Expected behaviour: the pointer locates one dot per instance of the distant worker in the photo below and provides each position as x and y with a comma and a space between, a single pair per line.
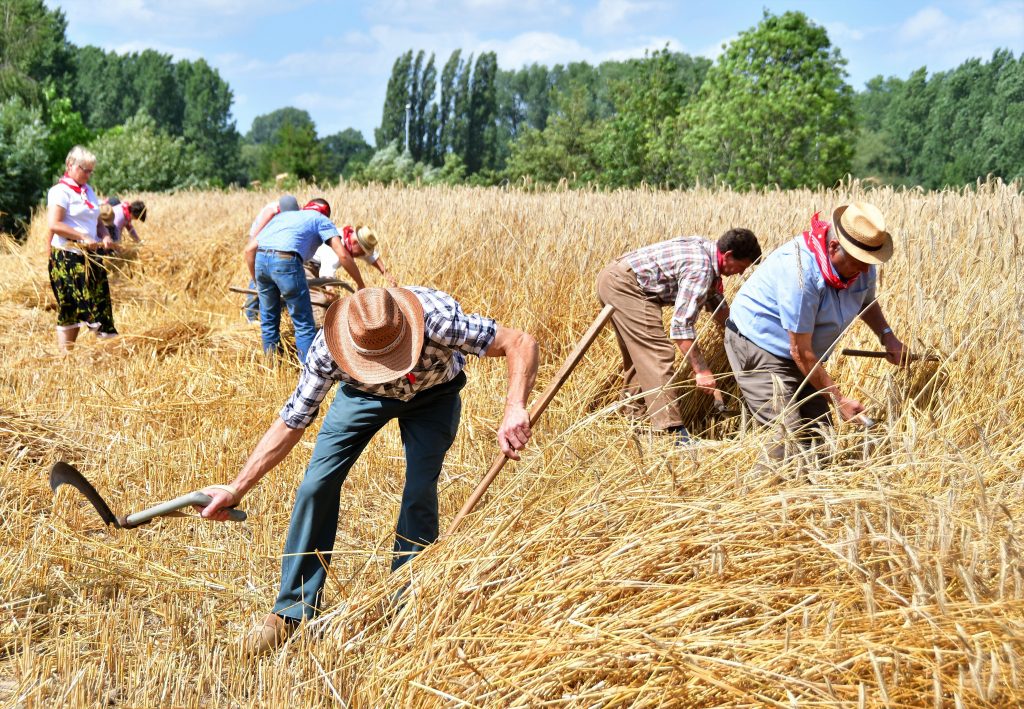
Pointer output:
685, 273
787, 317
399, 354
361, 242
275, 259
77, 276
124, 215
285, 203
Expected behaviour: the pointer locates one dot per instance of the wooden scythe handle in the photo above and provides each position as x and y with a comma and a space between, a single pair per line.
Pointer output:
538, 408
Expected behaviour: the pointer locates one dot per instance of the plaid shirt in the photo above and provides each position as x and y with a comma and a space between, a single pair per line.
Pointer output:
681, 272
448, 337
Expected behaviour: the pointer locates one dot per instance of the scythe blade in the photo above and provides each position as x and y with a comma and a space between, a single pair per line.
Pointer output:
63, 474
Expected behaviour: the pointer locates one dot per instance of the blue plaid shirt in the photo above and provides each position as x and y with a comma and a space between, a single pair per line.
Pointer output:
449, 335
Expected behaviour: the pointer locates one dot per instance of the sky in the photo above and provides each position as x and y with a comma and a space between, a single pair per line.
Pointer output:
333, 59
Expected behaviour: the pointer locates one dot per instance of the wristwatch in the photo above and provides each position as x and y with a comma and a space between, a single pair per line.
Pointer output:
883, 333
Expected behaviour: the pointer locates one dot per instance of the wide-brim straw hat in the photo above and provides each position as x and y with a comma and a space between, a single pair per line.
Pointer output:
376, 335
367, 239
861, 230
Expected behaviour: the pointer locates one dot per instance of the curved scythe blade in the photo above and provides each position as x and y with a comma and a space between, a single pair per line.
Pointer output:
63, 474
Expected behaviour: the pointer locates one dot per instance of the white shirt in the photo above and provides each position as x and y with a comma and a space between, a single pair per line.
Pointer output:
77, 214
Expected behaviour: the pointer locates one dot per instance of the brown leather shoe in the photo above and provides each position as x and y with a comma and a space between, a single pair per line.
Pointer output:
268, 635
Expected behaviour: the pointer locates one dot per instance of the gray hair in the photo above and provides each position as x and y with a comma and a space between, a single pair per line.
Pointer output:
80, 156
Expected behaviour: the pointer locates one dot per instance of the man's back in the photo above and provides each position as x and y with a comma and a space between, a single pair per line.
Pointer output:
301, 232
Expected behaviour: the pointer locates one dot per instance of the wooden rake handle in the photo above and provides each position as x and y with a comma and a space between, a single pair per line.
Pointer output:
538, 408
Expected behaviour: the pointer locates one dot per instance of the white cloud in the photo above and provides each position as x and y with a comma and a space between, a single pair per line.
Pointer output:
839, 33
988, 25
171, 18
925, 24
612, 16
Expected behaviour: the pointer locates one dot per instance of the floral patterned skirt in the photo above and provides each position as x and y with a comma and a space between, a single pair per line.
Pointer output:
79, 284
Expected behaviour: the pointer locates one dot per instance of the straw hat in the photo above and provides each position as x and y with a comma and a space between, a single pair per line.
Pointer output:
107, 214
861, 230
368, 241
376, 335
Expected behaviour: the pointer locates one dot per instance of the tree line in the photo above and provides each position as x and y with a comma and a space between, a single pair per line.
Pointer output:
773, 110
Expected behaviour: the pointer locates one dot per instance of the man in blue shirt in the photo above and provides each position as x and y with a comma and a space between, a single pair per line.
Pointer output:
786, 319
275, 261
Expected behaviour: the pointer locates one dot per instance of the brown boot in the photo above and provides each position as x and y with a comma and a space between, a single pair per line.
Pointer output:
268, 635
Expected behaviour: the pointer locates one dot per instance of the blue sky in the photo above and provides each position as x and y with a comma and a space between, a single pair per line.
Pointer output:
334, 58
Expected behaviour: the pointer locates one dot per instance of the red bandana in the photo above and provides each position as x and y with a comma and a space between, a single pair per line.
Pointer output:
317, 207
126, 210
79, 190
815, 240
347, 232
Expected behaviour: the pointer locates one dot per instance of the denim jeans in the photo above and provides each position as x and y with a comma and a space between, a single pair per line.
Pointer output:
428, 423
281, 277
251, 307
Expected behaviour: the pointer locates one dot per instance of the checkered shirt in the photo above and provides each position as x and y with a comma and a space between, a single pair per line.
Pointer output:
681, 272
449, 335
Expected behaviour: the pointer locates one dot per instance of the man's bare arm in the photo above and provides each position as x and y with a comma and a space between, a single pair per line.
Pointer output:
521, 353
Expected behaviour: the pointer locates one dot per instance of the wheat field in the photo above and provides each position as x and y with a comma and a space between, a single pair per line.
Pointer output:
607, 568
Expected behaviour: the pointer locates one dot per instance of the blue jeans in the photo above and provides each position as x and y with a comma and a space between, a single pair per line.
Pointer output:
428, 424
251, 307
280, 277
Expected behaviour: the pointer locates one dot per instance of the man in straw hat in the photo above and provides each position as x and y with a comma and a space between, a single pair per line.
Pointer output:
685, 273
787, 317
361, 243
399, 354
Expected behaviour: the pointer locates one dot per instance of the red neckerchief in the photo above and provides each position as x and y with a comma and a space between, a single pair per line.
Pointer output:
719, 285
347, 233
126, 210
317, 207
815, 240
77, 189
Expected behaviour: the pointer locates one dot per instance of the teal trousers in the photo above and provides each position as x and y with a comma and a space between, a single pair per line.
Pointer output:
428, 424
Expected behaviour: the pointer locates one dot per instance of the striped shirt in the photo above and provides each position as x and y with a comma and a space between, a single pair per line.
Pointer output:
682, 272
449, 335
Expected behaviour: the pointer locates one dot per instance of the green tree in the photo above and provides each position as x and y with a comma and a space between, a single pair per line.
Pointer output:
102, 91
399, 93
344, 150
907, 123
565, 148
156, 88
423, 123
296, 151
648, 99
24, 163
874, 155
139, 157
446, 106
1003, 129
33, 50
206, 124
458, 125
65, 129
265, 127
262, 137
483, 107
774, 110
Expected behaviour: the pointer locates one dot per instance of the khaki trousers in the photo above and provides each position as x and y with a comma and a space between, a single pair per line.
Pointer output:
774, 390
648, 356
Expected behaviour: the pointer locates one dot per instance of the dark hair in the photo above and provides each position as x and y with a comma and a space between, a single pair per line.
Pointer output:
742, 243
138, 210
